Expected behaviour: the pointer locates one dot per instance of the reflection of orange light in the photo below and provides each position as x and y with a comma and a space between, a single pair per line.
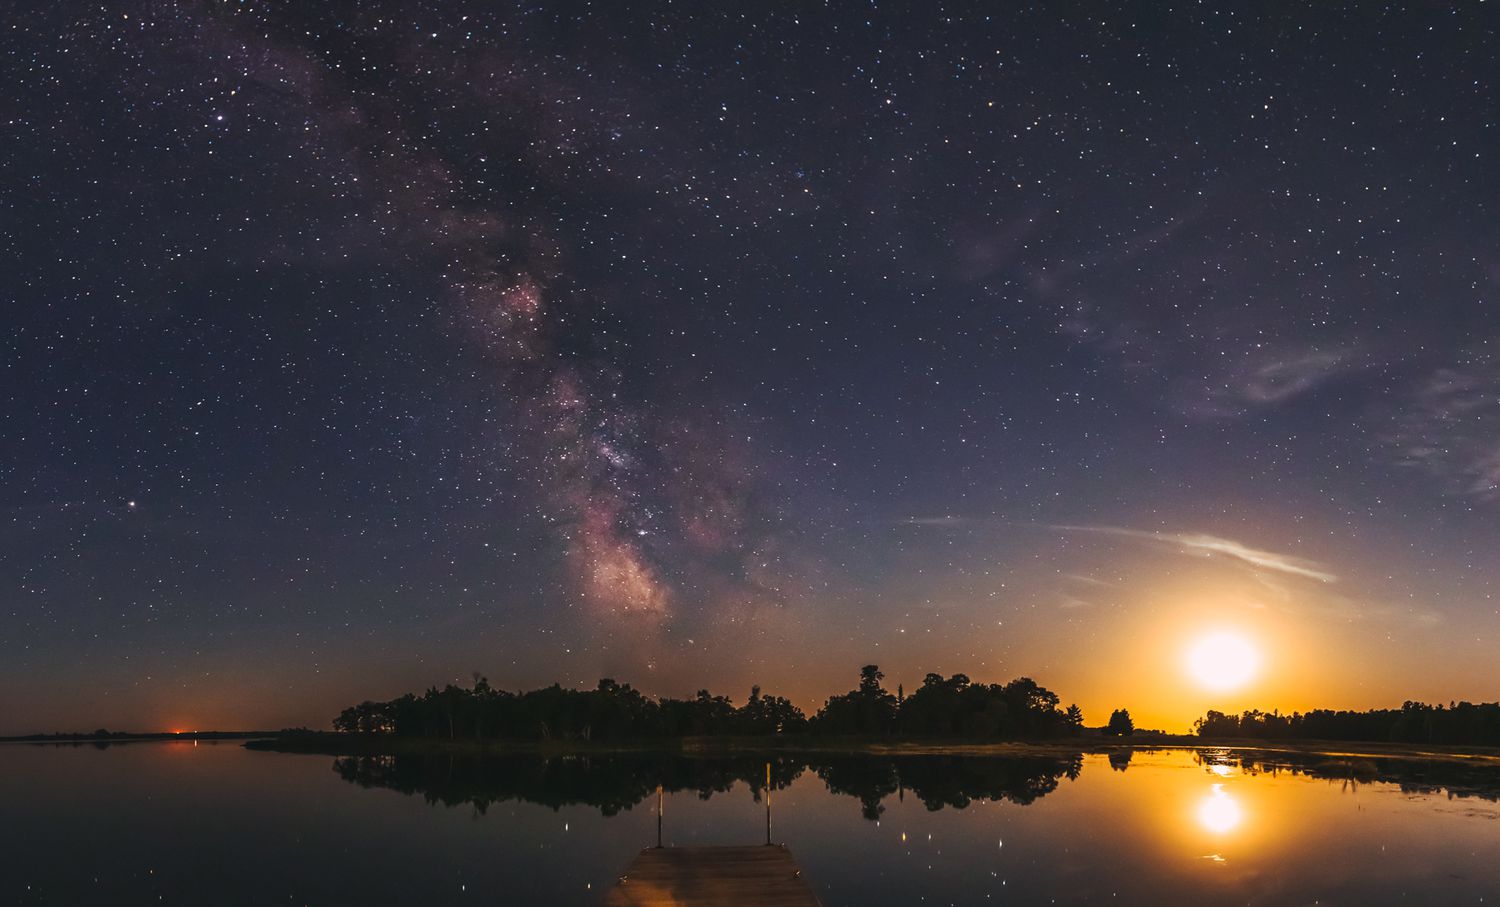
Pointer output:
1219, 812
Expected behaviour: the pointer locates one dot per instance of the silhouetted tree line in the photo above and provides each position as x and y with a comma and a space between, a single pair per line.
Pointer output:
1414, 722
952, 706
619, 782
611, 711
947, 707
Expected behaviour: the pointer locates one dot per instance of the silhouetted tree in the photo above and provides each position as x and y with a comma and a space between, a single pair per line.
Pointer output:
1073, 720
366, 718
764, 715
868, 709
1120, 724
1217, 724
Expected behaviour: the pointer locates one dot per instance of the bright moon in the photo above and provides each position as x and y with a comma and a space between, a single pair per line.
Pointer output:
1222, 661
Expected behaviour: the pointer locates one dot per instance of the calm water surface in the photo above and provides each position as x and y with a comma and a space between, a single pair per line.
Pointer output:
218, 824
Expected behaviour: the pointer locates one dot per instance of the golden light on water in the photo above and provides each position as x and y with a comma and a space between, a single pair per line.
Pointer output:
1220, 812
1222, 661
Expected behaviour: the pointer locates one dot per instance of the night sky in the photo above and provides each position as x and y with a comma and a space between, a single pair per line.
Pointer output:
352, 348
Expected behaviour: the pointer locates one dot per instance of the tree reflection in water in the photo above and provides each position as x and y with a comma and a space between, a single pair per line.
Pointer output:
609, 783
1451, 777
617, 782
940, 781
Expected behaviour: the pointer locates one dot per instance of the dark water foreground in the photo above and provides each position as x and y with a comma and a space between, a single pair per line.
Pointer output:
218, 824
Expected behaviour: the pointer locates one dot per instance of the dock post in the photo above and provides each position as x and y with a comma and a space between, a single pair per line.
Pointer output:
768, 803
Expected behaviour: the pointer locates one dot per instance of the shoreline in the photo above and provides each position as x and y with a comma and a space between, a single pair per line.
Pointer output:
330, 743
145, 737
337, 744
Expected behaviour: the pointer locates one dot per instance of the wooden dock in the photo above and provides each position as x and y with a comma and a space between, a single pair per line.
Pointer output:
762, 874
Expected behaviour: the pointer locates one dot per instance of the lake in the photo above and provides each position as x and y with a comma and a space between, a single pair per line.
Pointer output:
175, 822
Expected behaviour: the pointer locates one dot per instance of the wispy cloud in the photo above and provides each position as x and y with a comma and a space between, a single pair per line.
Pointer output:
1449, 425
1208, 545
1265, 377
1283, 378
1078, 590
1089, 580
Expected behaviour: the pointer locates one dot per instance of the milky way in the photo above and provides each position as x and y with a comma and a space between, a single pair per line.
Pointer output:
363, 346
633, 495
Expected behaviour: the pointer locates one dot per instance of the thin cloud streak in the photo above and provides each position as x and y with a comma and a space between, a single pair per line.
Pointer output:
1201, 544
1089, 580
935, 521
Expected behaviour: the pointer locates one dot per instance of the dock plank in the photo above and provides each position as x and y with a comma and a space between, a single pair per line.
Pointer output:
764, 875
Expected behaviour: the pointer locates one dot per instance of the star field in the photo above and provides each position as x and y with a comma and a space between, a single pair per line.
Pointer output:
351, 348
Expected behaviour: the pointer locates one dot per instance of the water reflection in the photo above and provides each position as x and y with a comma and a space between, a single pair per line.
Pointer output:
609, 784
618, 782
614, 783
166, 822
1449, 777
1219, 812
